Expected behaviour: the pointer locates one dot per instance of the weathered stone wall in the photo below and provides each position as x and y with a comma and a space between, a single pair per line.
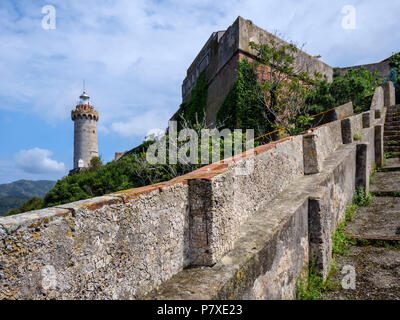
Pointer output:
112, 247
250, 224
303, 61
383, 68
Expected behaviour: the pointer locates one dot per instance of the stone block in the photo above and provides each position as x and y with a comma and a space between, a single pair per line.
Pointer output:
347, 136
389, 94
344, 111
366, 120
362, 173
320, 230
312, 161
377, 100
200, 193
378, 141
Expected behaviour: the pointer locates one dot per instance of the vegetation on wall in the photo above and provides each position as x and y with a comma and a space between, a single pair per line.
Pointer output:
193, 110
242, 107
355, 85
395, 63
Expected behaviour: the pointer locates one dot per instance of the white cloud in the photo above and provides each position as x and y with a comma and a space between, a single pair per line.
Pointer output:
142, 124
38, 161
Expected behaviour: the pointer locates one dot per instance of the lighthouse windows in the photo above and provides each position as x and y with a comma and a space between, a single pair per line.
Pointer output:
80, 163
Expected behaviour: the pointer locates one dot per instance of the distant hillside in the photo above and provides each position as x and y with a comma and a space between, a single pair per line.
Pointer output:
12, 195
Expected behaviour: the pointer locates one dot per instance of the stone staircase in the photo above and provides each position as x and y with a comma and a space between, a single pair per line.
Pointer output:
392, 132
376, 255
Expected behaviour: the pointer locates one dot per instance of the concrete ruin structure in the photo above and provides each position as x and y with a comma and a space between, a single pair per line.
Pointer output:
219, 58
85, 118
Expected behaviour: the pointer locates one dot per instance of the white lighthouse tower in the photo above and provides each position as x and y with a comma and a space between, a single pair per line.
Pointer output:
85, 132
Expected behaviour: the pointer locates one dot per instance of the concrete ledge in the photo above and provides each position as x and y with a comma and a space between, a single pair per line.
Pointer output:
32, 219
266, 241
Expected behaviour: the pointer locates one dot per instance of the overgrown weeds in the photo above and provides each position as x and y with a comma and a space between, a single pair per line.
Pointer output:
313, 287
362, 198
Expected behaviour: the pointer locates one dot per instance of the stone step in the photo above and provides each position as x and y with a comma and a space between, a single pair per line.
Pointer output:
394, 108
392, 112
392, 115
392, 148
392, 164
391, 138
392, 127
389, 120
393, 155
376, 274
392, 144
386, 184
389, 133
394, 122
380, 221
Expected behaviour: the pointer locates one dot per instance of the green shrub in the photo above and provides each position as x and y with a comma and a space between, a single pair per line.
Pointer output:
314, 286
193, 110
242, 107
356, 85
362, 198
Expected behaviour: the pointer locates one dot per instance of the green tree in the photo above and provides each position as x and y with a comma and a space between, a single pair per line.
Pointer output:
354, 86
95, 163
34, 203
283, 92
194, 109
242, 107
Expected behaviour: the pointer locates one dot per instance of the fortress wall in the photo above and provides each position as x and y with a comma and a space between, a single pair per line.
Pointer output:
303, 61
277, 242
85, 141
236, 194
110, 247
219, 58
250, 228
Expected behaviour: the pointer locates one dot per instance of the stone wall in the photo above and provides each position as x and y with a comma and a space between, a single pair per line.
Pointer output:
245, 225
383, 68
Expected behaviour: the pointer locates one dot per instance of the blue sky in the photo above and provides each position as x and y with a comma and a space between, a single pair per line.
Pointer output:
133, 55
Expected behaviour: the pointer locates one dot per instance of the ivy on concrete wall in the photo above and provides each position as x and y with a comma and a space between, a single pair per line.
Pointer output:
242, 107
193, 110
